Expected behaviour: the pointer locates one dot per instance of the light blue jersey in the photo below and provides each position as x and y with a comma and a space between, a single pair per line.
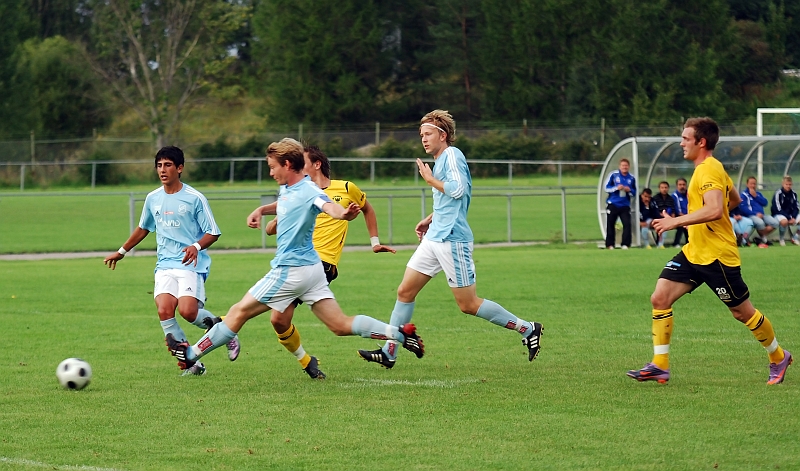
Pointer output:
298, 206
450, 208
179, 220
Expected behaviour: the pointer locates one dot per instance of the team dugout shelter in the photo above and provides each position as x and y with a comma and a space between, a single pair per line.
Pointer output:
656, 159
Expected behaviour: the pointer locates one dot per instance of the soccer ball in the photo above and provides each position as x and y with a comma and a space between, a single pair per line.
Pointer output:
74, 373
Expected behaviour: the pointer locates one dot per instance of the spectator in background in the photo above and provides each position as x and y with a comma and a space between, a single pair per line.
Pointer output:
742, 227
785, 210
620, 187
752, 206
664, 202
648, 212
681, 208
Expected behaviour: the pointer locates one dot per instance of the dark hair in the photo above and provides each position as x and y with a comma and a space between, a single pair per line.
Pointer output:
664, 183
681, 179
625, 160
316, 155
171, 153
751, 178
287, 150
704, 128
647, 191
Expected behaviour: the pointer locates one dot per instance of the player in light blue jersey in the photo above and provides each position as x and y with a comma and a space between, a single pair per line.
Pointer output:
297, 271
446, 243
185, 227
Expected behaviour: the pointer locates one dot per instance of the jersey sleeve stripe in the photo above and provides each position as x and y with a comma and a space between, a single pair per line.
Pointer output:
206, 209
452, 162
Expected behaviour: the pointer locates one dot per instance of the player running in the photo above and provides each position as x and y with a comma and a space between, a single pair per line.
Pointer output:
710, 256
446, 243
329, 238
185, 228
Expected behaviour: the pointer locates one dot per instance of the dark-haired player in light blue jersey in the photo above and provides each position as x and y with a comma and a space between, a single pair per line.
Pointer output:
184, 225
446, 243
297, 271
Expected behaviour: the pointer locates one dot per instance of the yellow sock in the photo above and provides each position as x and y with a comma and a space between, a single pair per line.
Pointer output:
662, 333
291, 341
761, 328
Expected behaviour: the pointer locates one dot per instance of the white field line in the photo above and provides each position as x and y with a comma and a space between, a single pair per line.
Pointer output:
39, 464
428, 383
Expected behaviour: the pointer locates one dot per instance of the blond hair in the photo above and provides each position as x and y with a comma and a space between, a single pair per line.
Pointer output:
787, 179
287, 150
442, 120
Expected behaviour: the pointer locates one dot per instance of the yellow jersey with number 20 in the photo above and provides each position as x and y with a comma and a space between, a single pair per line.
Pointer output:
713, 240
330, 233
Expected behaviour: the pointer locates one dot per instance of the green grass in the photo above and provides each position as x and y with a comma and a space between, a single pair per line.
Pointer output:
74, 221
473, 402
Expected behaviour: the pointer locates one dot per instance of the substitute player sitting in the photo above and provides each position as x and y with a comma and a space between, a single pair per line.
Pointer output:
329, 239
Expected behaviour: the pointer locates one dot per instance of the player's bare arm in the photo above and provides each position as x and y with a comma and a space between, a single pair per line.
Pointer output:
372, 228
734, 199
137, 236
254, 219
713, 209
427, 174
190, 253
422, 227
337, 212
272, 227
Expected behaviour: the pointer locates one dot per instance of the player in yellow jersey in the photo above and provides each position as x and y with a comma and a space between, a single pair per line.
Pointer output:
711, 257
329, 238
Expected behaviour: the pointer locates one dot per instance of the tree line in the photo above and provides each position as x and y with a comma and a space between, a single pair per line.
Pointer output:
68, 66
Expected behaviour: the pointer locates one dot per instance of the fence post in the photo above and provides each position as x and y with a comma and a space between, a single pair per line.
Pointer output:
377, 133
22, 177
422, 210
508, 217
131, 216
602, 133
564, 214
372, 171
416, 174
509, 174
94, 173
524, 127
391, 230
260, 162
33, 149
265, 200
300, 132
559, 173
230, 178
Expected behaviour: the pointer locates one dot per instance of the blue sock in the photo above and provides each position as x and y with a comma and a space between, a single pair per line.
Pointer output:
401, 314
202, 315
170, 326
496, 314
218, 336
370, 328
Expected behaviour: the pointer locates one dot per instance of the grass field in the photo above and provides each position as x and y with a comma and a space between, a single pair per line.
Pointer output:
76, 221
473, 401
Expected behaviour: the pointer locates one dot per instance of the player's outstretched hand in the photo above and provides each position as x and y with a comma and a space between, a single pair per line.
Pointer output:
351, 212
111, 260
424, 170
383, 248
254, 219
666, 223
190, 255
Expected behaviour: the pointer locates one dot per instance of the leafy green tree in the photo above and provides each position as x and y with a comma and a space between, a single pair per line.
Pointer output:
15, 27
158, 54
322, 62
64, 99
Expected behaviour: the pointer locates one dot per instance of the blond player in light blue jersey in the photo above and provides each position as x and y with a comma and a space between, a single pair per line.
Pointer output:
446, 243
296, 271
185, 227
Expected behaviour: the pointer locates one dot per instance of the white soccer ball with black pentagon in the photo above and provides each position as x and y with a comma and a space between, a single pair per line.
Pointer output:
74, 373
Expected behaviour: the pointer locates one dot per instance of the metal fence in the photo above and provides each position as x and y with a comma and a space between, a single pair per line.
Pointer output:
522, 166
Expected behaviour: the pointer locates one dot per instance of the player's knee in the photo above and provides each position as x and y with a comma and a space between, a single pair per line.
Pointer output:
470, 306
659, 300
405, 294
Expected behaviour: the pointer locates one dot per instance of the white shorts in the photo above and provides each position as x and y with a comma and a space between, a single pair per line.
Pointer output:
282, 285
180, 283
455, 258
781, 217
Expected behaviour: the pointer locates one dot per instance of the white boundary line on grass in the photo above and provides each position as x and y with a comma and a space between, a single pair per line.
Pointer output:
428, 383
39, 464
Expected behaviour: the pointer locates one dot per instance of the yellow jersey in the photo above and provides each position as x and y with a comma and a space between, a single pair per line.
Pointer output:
713, 240
330, 233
